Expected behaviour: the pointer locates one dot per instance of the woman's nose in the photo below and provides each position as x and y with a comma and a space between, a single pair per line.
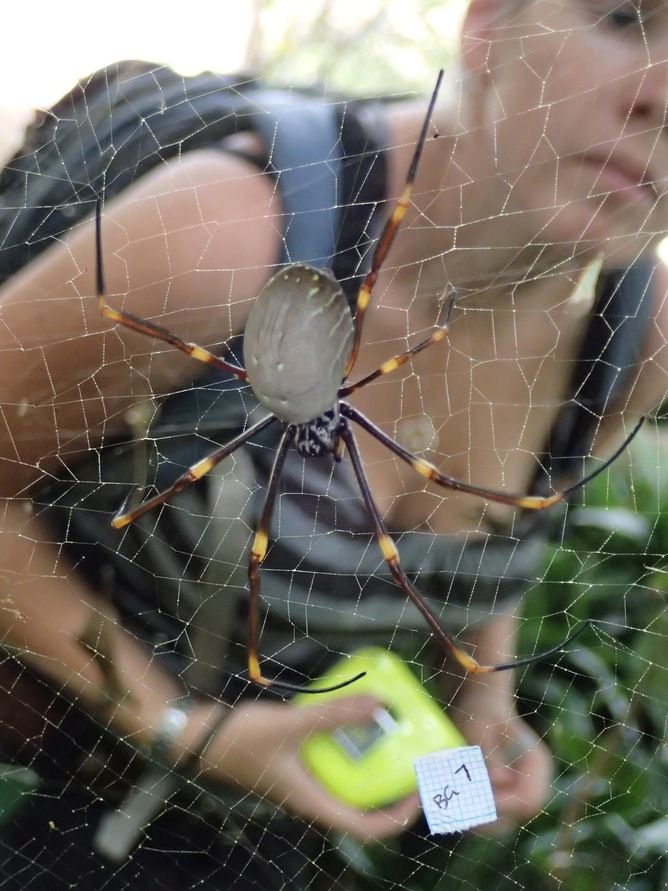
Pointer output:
644, 95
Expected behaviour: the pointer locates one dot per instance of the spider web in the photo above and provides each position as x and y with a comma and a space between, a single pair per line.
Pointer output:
129, 412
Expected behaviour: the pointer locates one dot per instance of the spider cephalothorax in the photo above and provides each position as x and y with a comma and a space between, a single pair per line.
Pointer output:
319, 436
300, 346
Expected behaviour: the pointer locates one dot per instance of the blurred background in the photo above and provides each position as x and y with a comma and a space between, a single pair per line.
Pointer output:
375, 47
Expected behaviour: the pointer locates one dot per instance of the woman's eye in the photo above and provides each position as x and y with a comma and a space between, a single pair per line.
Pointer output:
623, 16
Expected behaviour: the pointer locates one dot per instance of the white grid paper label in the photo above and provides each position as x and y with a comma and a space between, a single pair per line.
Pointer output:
454, 789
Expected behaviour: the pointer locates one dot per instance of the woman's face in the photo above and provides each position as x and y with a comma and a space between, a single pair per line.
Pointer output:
571, 96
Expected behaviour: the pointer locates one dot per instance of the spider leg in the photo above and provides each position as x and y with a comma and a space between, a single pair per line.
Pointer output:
388, 233
575, 486
428, 470
437, 336
391, 555
257, 555
198, 470
143, 326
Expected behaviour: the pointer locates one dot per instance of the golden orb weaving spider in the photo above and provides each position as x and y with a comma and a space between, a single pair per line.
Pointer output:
300, 346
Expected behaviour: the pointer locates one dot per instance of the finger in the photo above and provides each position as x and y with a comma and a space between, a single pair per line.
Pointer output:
524, 795
310, 800
287, 782
500, 827
501, 774
516, 741
386, 822
324, 717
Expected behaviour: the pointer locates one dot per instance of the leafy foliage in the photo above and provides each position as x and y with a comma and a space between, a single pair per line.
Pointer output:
372, 48
601, 708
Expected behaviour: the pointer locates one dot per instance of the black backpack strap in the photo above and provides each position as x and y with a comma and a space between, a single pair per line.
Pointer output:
331, 173
363, 186
608, 355
301, 139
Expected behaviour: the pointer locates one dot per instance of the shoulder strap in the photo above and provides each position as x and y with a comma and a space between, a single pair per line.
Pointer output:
121, 121
610, 349
331, 173
301, 139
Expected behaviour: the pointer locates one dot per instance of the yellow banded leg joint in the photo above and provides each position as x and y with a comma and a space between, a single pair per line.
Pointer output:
259, 548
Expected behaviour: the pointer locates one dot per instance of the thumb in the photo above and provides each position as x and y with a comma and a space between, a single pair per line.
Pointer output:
327, 716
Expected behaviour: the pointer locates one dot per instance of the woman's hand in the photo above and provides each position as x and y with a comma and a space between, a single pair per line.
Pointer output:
257, 749
519, 762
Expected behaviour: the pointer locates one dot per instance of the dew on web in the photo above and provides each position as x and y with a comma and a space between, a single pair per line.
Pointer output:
109, 415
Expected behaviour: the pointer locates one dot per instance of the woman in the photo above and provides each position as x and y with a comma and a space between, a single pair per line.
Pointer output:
551, 153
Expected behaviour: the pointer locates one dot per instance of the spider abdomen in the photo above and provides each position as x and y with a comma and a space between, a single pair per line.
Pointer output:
297, 341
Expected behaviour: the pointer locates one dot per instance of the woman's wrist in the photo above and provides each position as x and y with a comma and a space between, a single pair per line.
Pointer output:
172, 722
185, 732
491, 644
494, 644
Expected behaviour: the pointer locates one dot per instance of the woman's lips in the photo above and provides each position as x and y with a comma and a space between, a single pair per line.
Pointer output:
623, 179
